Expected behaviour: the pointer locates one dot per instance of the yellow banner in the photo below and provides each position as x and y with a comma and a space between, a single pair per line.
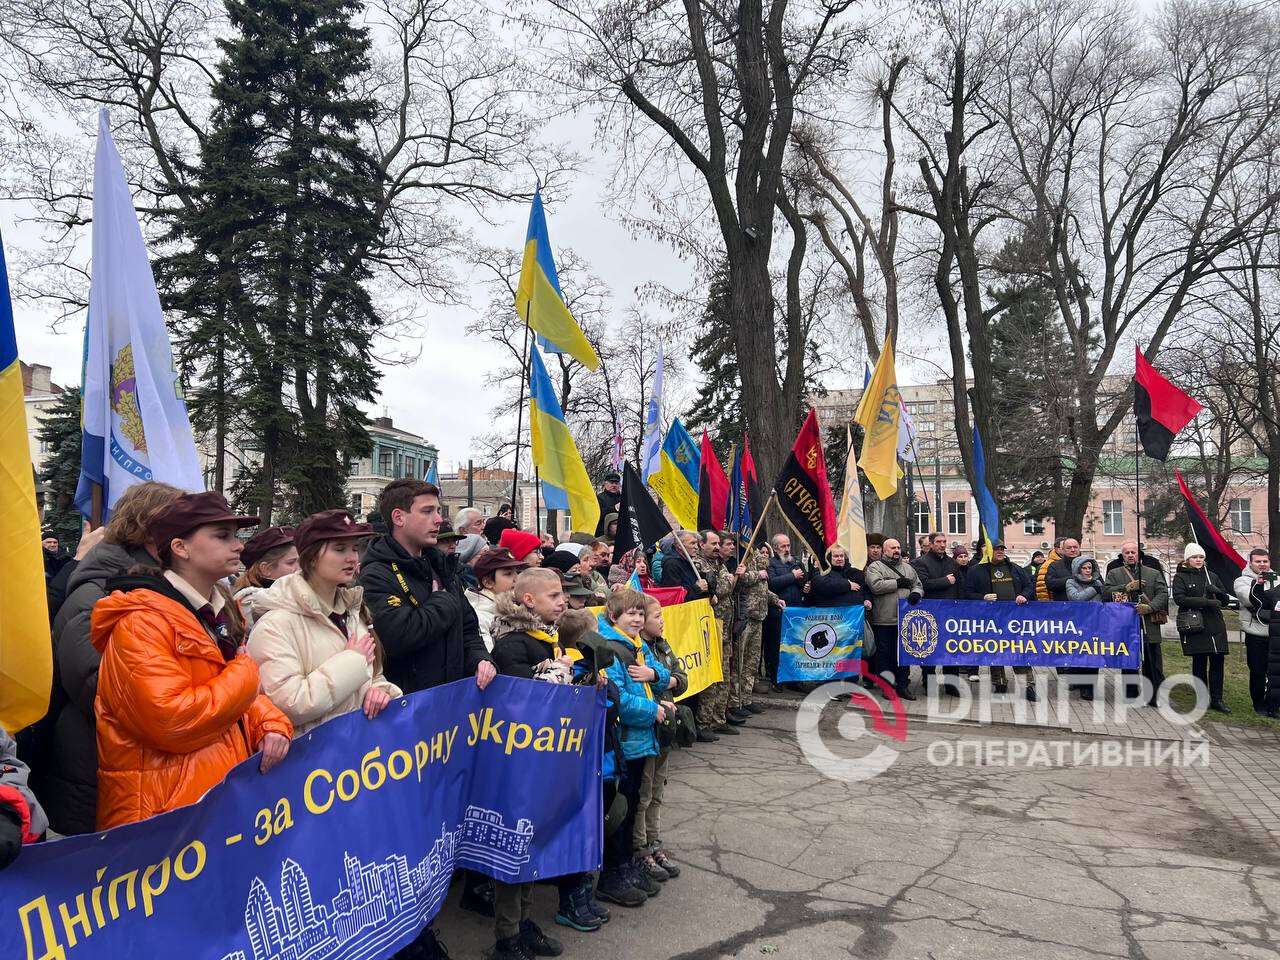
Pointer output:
694, 635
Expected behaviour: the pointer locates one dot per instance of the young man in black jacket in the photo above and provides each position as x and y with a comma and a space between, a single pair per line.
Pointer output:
428, 631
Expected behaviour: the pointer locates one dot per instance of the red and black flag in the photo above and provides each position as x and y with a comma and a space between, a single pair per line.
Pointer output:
1219, 555
1160, 407
713, 488
804, 494
640, 520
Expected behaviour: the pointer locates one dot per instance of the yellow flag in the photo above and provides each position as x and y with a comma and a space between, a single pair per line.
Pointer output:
878, 413
851, 528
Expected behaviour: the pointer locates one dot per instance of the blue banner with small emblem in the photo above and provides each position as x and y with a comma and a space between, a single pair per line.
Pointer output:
1041, 634
820, 643
342, 852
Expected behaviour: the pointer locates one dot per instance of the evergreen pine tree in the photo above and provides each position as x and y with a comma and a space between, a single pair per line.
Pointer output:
272, 276
717, 407
60, 433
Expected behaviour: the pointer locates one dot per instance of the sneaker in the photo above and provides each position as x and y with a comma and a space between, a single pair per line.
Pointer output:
615, 886
575, 910
478, 899
727, 731
512, 948
1032, 696
706, 736
594, 905
661, 859
538, 943
756, 708
653, 871
641, 880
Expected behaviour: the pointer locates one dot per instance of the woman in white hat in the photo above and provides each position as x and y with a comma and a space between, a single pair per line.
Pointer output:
1200, 598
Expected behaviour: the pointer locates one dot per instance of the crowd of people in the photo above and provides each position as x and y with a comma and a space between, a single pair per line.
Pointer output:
182, 649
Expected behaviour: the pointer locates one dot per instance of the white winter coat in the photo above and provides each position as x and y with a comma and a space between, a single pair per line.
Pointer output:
302, 658
484, 604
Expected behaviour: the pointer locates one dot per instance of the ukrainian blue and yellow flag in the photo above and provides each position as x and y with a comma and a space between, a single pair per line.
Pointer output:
676, 480
538, 299
565, 484
988, 514
26, 657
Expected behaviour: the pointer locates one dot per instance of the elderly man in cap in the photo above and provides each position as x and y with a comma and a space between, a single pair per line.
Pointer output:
609, 497
1144, 586
1000, 579
889, 580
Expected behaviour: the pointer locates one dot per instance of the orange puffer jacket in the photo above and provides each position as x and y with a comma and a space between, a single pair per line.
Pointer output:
173, 716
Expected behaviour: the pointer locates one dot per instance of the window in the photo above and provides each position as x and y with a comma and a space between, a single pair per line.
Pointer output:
1150, 509
1113, 518
1241, 515
486, 508
918, 407
920, 519
1033, 527
409, 467
958, 517
386, 463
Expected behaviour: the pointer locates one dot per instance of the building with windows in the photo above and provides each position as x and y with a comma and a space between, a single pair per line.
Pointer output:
39, 396
396, 453
489, 489
944, 501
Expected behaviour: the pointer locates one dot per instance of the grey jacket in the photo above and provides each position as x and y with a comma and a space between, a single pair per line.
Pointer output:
1253, 627
1078, 589
15, 793
1153, 591
881, 579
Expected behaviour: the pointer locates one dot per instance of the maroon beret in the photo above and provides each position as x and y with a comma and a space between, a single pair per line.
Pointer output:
263, 542
329, 525
189, 512
493, 560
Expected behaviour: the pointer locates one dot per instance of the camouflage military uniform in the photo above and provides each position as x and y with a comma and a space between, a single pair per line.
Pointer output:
713, 700
753, 608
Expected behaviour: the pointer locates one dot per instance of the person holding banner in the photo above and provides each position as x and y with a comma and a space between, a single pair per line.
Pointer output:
313, 641
71, 793
1200, 597
1001, 580
841, 585
890, 579
178, 702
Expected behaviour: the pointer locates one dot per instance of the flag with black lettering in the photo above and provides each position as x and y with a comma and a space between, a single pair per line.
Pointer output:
804, 493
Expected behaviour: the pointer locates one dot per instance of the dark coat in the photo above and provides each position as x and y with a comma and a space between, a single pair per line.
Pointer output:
609, 503
835, 588
1264, 603
978, 583
1201, 590
678, 572
71, 781
933, 572
782, 580
1056, 577
429, 636
515, 650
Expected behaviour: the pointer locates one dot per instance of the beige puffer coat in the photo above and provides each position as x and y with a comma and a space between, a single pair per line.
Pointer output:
302, 658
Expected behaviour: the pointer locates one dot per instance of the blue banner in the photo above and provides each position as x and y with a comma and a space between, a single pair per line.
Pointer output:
342, 852
1041, 634
820, 643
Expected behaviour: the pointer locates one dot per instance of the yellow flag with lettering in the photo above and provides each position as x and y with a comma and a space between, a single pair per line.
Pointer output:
694, 635
878, 413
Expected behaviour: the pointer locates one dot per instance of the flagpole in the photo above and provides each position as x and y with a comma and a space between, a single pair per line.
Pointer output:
769, 505
1137, 490
537, 502
524, 375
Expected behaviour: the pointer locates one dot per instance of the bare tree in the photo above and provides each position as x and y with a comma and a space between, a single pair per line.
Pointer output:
1143, 148
710, 90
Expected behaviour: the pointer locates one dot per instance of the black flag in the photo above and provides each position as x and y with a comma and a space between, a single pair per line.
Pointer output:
640, 520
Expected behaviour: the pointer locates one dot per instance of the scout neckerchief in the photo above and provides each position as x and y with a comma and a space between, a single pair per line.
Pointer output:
550, 640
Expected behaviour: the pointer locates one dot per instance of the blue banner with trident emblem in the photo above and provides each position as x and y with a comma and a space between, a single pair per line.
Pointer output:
1041, 634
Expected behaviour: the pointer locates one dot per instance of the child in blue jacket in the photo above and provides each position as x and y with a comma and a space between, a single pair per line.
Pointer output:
641, 680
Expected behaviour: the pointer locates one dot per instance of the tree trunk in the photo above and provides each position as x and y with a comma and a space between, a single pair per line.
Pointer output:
1273, 506
1079, 493
220, 419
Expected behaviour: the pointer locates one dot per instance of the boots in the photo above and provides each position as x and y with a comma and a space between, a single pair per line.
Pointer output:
616, 887
537, 943
575, 910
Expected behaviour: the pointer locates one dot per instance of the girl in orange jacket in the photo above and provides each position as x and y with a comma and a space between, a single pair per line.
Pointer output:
178, 703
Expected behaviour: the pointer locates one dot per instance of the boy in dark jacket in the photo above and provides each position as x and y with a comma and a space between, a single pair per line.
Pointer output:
526, 645
653, 781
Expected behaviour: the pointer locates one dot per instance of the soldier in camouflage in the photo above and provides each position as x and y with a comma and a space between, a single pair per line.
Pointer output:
756, 598
712, 701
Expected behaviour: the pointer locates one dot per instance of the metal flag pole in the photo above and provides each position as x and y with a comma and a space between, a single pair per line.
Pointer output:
524, 375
